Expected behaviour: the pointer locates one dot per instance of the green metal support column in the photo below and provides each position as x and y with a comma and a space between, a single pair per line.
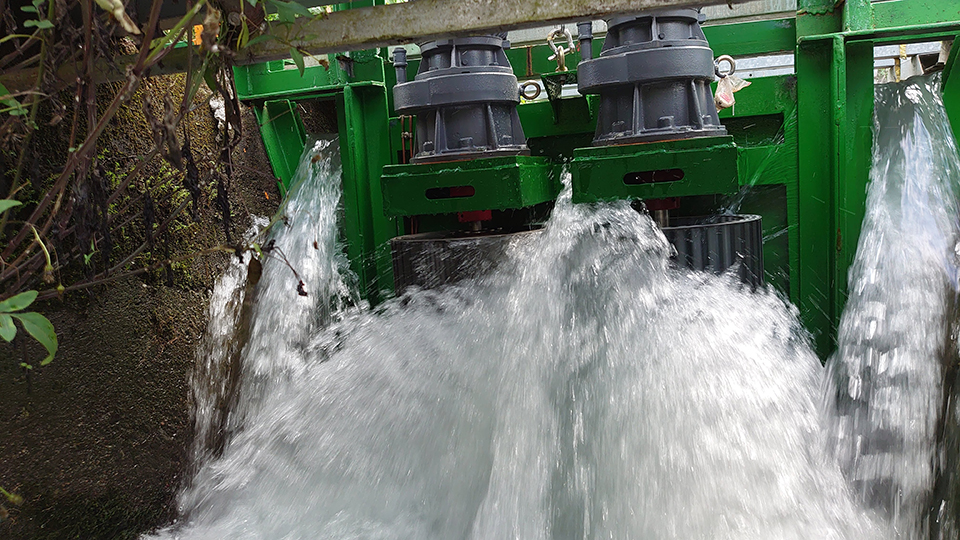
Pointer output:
855, 159
951, 88
364, 149
835, 100
283, 138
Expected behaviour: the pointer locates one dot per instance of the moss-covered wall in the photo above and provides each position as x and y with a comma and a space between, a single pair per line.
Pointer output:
97, 442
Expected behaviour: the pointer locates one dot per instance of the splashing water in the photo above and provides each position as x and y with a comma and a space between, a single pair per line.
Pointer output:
305, 284
213, 384
893, 336
583, 390
775, 162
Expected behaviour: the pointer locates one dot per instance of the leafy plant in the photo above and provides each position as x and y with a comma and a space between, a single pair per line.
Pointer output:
11, 498
40, 22
10, 105
34, 323
281, 29
6, 204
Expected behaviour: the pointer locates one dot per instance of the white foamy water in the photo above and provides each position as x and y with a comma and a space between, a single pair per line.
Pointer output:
585, 390
893, 337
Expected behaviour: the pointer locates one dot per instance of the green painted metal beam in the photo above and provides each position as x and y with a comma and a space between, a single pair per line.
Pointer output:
951, 87
857, 15
835, 100
497, 183
753, 38
364, 150
283, 138
817, 100
819, 17
282, 79
604, 173
915, 13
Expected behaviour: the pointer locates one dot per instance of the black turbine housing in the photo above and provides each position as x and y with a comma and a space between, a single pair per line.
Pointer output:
710, 244
653, 77
716, 243
465, 97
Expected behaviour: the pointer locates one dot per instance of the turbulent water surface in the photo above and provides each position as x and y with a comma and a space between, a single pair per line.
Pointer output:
584, 390
894, 344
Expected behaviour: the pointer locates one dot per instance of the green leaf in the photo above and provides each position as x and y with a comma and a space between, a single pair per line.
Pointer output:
244, 35
28, 9
42, 24
210, 77
286, 14
7, 330
42, 330
297, 59
12, 497
18, 302
260, 39
25, 365
11, 105
6, 204
299, 9
252, 2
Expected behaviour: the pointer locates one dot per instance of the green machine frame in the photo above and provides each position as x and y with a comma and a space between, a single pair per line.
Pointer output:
798, 151
355, 83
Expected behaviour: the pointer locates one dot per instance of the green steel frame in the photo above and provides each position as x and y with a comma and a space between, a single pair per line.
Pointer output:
709, 166
498, 183
835, 68
799, 150
355, 83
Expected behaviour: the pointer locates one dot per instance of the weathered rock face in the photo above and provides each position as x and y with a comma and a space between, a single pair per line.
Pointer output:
97, 442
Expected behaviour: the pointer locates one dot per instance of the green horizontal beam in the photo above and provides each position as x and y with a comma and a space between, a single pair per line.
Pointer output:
709, 166
497, 183
898, 34
914, 13
753, 38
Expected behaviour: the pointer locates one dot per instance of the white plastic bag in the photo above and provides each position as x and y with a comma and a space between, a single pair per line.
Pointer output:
726, 88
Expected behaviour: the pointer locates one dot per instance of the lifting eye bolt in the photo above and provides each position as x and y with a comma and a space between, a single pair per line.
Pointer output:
559, 52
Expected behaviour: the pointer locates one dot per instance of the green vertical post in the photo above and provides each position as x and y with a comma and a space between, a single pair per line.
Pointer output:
951, 88
835, 100
365, 148
815, 123
854, 159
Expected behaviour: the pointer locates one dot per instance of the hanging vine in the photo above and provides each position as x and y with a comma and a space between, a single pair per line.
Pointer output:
66, 226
